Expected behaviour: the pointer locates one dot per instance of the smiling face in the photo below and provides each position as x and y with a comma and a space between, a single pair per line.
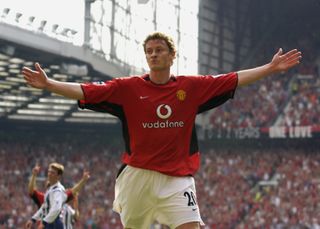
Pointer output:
158, 55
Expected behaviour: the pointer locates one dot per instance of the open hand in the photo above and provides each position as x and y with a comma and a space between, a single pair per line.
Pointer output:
36, 78
282, 62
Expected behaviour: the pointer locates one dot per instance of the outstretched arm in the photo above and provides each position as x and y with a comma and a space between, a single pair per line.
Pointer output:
279, 63
32, 181
38, 79
77, 187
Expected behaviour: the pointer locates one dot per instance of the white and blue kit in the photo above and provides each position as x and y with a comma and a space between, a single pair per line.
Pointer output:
68, 216
49, 212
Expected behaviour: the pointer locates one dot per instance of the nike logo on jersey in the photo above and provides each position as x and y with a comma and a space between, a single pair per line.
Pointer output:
144, 97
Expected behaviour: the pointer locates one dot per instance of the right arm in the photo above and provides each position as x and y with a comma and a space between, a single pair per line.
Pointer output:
32, 182
38, 79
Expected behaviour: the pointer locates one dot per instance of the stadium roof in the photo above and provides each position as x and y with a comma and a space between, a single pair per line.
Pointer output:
18, 101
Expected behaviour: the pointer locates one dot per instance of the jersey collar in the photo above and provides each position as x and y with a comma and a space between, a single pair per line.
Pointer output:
146, 77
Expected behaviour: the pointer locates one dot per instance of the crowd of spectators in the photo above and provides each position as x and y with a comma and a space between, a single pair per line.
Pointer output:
257, 105
294, 201
260, 189
242, 188
303, 108
289, 99
95, 199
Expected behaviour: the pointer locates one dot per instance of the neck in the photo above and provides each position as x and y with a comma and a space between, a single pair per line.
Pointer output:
160, 77
53, 183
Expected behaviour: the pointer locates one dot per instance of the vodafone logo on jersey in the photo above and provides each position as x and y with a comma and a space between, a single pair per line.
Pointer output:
165, 115
163, 112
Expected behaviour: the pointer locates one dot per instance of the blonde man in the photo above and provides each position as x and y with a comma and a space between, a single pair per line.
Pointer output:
54, 199
70, 212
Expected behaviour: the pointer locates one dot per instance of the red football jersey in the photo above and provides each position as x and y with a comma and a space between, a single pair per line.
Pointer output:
38, 197
159, 120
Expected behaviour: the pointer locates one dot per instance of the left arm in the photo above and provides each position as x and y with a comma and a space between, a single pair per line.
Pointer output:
77, 187
76, 208
280, 62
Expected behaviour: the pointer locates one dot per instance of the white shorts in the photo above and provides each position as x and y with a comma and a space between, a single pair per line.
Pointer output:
145, 196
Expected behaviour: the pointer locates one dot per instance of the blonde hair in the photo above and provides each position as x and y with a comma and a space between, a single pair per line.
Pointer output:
58, 167
161, 36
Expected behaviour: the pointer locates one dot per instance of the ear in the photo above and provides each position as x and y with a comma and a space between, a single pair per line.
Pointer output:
173, 55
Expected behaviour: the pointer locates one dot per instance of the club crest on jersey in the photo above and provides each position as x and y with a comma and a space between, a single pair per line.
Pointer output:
181, 95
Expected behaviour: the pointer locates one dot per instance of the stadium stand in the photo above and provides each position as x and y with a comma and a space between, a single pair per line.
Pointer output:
265, 183
236, 188
20, 102
287, 100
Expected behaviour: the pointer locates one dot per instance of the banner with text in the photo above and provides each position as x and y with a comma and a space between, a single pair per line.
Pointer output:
274, 132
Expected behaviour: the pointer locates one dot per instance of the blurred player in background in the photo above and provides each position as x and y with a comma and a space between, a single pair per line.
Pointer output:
158, 112
38, 196
69, 213
55, 197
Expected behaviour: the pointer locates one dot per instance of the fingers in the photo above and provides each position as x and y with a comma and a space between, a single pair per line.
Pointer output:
28, 78
292, 53
38, 67
26, 70
29, 75
293, 63
293, 56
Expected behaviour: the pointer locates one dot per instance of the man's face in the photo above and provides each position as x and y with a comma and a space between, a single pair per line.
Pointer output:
158, 55
53, 176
